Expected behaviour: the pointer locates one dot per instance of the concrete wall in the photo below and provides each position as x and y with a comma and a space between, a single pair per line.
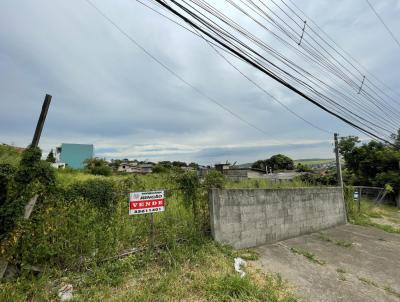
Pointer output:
250, 217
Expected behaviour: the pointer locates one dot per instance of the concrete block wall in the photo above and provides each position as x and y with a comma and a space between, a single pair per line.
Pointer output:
251, 217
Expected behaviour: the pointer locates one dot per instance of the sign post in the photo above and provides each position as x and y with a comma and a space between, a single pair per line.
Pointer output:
147, 203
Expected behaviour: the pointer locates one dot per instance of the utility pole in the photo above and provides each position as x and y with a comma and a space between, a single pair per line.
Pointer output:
40, 123
4, 265
338, 166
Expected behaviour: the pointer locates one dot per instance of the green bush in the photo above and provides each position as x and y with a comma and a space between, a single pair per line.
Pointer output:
7, 172
98, 166
33, 176
66, 235
214, 179
100, 192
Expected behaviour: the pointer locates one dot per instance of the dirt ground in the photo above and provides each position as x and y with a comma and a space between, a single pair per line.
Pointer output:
345, 263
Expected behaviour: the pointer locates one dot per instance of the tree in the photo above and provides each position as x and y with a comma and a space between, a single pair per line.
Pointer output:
259, 164
179, 164
396, 139
98, 166
115, 163
280, 162
50, 157
371, 164
194, 165
275, 162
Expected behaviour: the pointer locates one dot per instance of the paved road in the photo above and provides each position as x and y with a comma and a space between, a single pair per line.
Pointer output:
368, 270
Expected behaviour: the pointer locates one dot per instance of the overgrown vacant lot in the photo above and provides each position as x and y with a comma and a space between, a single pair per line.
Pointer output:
80, 234
81, 226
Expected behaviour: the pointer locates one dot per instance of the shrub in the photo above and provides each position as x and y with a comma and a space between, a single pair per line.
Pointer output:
303, 168
214, 179
7, 172
100, 192
33, 176
189, 184
98, 166
67, 235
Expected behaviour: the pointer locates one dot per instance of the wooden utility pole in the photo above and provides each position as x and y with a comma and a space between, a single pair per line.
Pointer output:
40, 123
338, 166
4, 265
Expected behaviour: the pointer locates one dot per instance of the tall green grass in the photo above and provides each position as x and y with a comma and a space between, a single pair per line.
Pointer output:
9, 155
368, 211
265, 184
74, 238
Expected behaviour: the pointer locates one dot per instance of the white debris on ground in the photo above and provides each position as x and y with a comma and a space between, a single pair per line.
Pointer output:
65, 292
238, 263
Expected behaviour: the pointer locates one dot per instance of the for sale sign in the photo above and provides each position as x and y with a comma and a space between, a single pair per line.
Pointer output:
146, 202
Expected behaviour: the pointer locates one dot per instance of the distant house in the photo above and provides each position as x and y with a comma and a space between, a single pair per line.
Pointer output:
134, 167
243, 173
73, 155
239, 173
146, 168
203, 171
222, 167
129, 167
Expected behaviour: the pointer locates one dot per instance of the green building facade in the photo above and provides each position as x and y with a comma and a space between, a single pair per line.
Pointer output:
74, 155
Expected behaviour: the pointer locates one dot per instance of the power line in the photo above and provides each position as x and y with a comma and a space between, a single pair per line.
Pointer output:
383, 119
213, 46
275, 53
327, 64
344, 52
178, 76
383, 22
215, 34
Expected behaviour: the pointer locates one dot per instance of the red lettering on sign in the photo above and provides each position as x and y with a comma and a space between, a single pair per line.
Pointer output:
145, 205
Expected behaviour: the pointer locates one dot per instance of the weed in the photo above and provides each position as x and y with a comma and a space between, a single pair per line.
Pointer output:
342, 277
369, 210
342, 243
70, 239
368, 281
308, 255
248, 254
391, 291
387, 289
340, 270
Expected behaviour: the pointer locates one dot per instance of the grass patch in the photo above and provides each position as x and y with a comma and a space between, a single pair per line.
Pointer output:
265, 184
10, 155
368, 281
72, 238
187, 272
391, 291
342, 277
365, 221
342, 243
341, 274
370, 210
308, 255
387, 289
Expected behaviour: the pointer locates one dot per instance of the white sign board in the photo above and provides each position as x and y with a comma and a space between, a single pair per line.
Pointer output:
146, 202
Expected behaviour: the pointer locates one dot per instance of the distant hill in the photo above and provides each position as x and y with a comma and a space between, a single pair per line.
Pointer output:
314, 161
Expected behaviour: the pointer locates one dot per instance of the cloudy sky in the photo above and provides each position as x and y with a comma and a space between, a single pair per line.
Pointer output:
107, 92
